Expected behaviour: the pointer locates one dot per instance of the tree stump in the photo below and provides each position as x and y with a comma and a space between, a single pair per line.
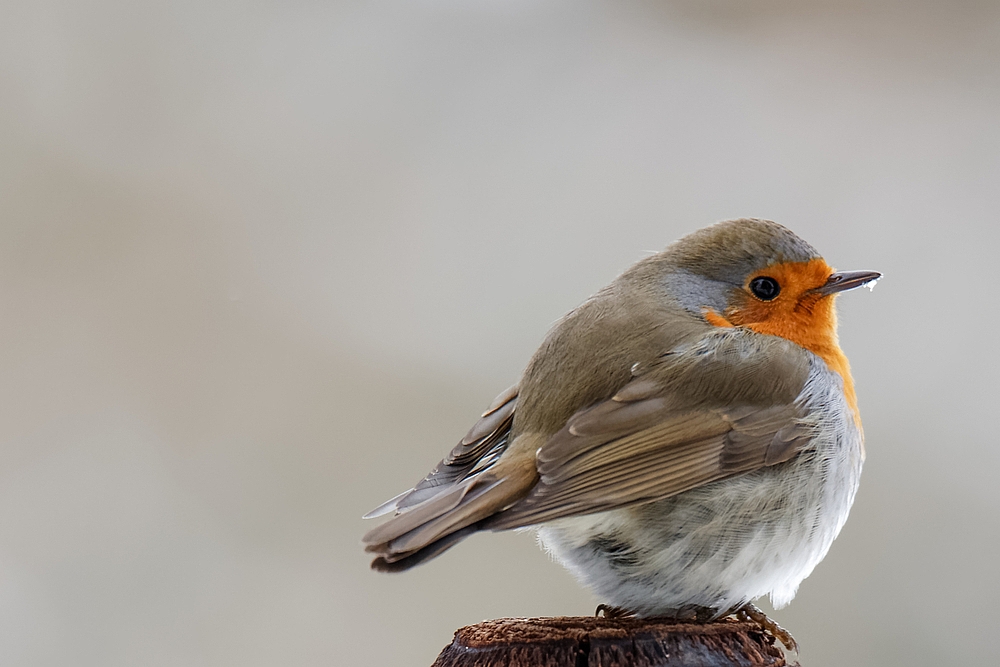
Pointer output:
602, 642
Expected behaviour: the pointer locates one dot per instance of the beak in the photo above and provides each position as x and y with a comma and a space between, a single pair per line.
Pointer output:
847, 280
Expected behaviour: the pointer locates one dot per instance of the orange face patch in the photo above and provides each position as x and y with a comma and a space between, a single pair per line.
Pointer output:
796, 314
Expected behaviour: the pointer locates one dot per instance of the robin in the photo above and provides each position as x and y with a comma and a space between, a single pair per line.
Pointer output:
684, 442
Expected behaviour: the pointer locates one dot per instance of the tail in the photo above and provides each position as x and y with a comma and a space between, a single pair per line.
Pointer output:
484, 474
432, 526
381, 564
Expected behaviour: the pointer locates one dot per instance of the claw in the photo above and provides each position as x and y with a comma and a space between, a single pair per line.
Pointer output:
613, 612
750, 612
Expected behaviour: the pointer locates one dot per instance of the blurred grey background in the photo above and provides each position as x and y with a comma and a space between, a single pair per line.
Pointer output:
264, 263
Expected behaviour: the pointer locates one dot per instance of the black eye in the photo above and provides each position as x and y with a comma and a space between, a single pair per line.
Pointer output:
765, 288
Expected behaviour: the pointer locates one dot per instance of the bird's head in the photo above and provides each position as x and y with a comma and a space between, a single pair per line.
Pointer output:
758, 274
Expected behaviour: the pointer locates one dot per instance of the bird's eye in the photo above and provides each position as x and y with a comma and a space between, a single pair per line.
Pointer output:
765, 288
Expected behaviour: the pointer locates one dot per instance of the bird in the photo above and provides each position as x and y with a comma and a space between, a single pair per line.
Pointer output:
684, 442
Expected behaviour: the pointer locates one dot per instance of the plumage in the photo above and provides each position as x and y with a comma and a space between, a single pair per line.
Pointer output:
677, 442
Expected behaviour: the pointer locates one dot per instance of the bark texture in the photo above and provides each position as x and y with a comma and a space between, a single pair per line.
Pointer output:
600, 642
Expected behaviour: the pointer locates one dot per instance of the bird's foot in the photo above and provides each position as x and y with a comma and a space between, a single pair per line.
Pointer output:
749, 612
613, 612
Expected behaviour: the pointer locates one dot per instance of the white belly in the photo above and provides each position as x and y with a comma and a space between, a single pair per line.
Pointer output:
729, 542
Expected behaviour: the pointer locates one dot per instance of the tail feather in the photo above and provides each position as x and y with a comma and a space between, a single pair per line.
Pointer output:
484, 474
386, 507
477, 503
444, 519
402, 523
432, 550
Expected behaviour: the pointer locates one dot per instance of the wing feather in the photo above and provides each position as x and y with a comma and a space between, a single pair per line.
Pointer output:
652, 441
723, 405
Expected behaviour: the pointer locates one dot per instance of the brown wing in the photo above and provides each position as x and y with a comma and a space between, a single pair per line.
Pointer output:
719, 407
672, 429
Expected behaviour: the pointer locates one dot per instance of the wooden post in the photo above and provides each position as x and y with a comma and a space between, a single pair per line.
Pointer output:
602, 642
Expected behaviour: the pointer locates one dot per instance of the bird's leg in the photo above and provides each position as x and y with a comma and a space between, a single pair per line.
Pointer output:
613, 612
750, 612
